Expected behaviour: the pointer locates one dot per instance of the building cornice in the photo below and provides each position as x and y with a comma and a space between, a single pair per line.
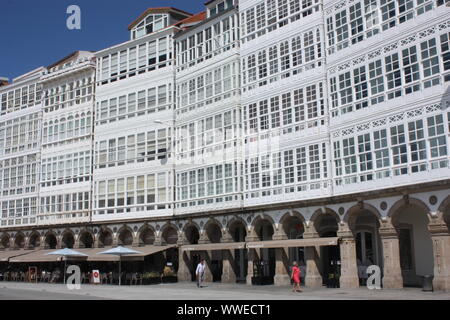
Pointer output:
77, 68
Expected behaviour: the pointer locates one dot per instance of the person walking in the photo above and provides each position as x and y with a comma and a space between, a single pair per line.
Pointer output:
200, 273
295, 276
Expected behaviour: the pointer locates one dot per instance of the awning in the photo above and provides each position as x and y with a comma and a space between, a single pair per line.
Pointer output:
7, 254
41, 256
94, 256
214, 246
146, 251
329, 241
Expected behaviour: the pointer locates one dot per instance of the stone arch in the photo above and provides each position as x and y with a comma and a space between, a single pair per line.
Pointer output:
125, 236
352, 213
19, 241
146, 235
191, 232
50, 240
237, 228
169, 234
5, 241
293, 224
213, 230
263, 216
34, 240
325, 222
105, 237
444, 211
263, 227
67, 239
364, 221
236, 219
86, 239
402, 203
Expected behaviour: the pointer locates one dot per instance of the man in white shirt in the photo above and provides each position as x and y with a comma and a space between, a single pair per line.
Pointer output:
200, 273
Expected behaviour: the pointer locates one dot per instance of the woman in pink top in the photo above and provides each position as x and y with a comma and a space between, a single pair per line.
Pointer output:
295, 276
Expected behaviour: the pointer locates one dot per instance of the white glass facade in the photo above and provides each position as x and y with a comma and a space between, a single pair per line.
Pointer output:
133, 167
20, 154
67, 134
271, 101
208, 135
255, 120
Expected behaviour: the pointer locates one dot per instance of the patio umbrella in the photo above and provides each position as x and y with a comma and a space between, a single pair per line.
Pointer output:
120, 251
66, 253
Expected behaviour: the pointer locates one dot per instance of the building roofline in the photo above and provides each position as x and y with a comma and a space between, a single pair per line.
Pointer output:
192, 20
205, 21
99, 53
26, 75
67, 58
157, 10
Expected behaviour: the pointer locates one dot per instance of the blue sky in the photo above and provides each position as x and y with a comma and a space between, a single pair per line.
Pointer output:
33, 33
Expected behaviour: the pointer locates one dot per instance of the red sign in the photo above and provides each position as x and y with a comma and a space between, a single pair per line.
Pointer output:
95, 276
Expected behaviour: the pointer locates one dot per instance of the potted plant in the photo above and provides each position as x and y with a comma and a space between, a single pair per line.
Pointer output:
151, 278
169, 276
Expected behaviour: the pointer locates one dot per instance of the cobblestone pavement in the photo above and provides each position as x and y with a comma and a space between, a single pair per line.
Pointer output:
212, 291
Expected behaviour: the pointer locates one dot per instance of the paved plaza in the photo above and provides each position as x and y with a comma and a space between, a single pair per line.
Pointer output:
212, 291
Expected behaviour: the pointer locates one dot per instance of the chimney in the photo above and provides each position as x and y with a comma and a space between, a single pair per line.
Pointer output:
4, 81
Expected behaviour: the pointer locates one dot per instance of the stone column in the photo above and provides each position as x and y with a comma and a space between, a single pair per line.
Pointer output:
440, 238
95, 244
282, 277
349, 271
135, 242
184, 273
27, 243
207, 256
158, 239
228, 272
76, 244
58, 242
42, 243
184, 260
208, 272
392, 273
115, 240
313, 278
252, 255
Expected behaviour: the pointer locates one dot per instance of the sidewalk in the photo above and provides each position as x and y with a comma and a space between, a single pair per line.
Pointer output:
218, 291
